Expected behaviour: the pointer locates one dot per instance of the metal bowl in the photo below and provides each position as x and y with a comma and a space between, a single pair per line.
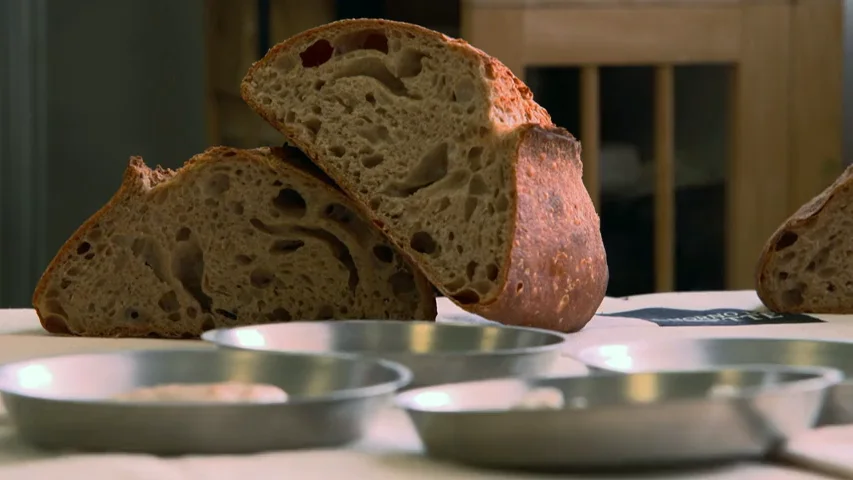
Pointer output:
434, 352
66, 401
693, 353
626, 421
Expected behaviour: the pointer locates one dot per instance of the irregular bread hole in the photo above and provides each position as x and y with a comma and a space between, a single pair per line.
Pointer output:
261, 277
370, 98
361, 40
477, 186
243, 260
217, 185
339, 250
372, 161
313, 125
492, 272
169, 302
374, 133
290, 202
191, 312
402, 283
154, 256
463, 92
55, 308
226, 314
456, 284
482, 286
471, 270
56, 324
810, 267
337, 150
208, 324
83, 248
501, 203
279, 315
474, 155
467, 297
793, 297
64, 284
383, 253
174, 317
470, 207
787, 239
822, 256
431, 168
782, 276
375, 203
283, 247
132, 314
237, 208
423, 242
338, 213
325, 312
319, 84
410, 63
317, 54
188, 268
183, 234
442, 204
89, 256
374, 68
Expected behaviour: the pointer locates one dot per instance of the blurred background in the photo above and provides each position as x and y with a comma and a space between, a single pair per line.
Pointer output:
704, 123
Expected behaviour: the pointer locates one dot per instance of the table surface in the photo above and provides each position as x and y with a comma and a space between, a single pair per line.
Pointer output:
391, 449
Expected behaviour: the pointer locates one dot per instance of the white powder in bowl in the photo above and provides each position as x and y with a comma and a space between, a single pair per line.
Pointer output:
226, 392
541, 398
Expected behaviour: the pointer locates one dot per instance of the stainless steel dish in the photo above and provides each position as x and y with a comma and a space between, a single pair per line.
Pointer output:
693, 353
434, 352
627, 421
66, 401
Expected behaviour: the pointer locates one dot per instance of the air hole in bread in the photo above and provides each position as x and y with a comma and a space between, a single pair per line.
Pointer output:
261, 277
313, 125
787, 239
383, 253
337, 150
423, 242
290, 203
456, 285
501, 203
464, 90
442, 204
283, 247
237, 208
183, 234
217, 184
431, 168
319, 84
794, 297
492, 272
470, 207
467, 297
64, 284
279, 315
188, 268
402, 283
339, 250
374, 68
370, 98
325, 312
226, 314
290, 117
482, 286
474, 155
361, 40
477, 186
830, 287
208, 324
83, 248
372, 161
338, 213
374, 133
169, 302
132, 314
317, 54
811, 266
154, 256
56, 324
192, 312
471, 269
174, 317
410, 63
375, 203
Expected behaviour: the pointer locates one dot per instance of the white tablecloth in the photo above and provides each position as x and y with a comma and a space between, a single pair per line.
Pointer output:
391, 449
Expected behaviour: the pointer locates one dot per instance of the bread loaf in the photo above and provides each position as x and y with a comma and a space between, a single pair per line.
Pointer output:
235, 237
807, 264
450, 156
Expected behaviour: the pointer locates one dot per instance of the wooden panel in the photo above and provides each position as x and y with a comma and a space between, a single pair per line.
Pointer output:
816, 98
664, 178
289, 17
630, 36
499, 33
757, 189
590, 129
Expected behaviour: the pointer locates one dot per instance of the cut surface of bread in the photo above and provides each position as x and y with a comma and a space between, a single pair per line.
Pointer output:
437, 143
807, 264
235, 237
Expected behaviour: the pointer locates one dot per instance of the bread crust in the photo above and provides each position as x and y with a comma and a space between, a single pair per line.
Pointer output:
564, 279
801, 220
139, 179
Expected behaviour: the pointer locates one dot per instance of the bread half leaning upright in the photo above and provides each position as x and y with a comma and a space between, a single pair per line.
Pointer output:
807, 264
234, 237
449, 155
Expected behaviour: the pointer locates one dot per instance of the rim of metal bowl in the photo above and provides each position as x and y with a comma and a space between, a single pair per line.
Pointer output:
823, 378
559, 340
404, 377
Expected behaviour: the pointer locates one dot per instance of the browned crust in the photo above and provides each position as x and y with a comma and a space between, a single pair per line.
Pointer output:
557, 275
801, 220
138, 179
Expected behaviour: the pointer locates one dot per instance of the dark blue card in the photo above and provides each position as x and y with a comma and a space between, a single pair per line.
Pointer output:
670, 317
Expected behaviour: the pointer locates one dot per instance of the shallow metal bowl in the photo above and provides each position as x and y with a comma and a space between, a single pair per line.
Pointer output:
66, 401
635, 420
434, 352
692, 353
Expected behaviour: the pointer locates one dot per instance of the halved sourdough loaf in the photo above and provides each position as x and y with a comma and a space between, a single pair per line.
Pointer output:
235, 237
450, 156
807, 264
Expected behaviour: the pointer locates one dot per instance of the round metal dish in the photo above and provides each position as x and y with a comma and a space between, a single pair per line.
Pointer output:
628, 421
66, 401
693, 353
434, 352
